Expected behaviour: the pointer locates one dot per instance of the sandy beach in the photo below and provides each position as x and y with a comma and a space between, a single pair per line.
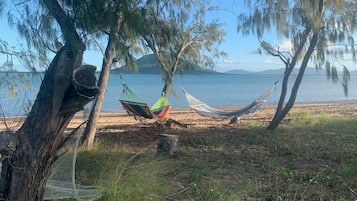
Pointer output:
120, 121
118, 127
248, 155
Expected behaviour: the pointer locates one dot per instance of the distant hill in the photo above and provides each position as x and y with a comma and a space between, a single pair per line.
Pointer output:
308, 71
238, 71
148, 64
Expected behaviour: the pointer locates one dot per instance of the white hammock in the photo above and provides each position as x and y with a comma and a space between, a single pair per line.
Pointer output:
205, 110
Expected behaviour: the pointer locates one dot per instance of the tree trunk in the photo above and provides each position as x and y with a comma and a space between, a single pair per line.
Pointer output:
284, 89
168, 144
279, 116
89, 133
65, 89
26, 169
165, 89
289, 67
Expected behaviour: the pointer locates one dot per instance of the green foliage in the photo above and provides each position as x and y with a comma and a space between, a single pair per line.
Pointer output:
16, 84
124, 175
350, 172
118, 20
317, 31
177, 33
201, 140
254, 124
177, 28
333, 21
38, 31
92, 19
302, 118
309, 159
14, 55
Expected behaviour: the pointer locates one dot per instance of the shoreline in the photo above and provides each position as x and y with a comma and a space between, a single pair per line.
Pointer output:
120, 121
264, 107
120, 118
228, 107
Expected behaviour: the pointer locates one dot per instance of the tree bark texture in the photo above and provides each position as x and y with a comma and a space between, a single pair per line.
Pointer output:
285, 110
26, 169
65, 89
168, 144
89, 133
289, 66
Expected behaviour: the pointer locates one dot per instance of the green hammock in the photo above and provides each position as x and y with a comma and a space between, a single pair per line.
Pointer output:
161, 108
136, 107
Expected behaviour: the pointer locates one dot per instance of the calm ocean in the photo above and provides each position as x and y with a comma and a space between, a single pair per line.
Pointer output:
214, 89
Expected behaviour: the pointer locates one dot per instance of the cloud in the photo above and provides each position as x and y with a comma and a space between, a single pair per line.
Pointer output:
255, 52
285, 45
268, 61
230, 61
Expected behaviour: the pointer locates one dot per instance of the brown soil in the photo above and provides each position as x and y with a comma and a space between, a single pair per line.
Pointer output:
118, 127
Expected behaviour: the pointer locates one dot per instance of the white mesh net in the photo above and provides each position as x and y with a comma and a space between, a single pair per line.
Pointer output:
62, 184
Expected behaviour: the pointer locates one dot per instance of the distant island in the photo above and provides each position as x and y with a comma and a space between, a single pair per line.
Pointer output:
148, 64
308, 71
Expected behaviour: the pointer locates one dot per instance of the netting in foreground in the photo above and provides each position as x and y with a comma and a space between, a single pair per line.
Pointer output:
62, 184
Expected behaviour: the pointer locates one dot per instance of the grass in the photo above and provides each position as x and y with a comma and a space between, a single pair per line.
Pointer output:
309, 157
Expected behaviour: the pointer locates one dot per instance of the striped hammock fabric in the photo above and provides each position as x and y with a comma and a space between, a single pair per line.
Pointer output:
161, 108
205, 110
136, 107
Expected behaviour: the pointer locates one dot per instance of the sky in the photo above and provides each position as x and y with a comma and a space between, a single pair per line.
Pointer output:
241, 50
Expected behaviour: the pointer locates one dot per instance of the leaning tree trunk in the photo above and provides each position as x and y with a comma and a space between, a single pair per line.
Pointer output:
169, 75
280, 115
89, 133
34, 146
284, 89
65, 89
167, 85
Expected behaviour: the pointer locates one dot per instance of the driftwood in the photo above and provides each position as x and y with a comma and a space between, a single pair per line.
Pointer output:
168, 144
170, 121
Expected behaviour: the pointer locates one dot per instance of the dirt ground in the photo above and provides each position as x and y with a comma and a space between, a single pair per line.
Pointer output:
247, 160
119, 127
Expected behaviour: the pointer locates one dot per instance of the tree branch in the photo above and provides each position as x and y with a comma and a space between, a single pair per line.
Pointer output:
69, 32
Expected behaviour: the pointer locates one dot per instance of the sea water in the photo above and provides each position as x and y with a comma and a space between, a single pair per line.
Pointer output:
216, 90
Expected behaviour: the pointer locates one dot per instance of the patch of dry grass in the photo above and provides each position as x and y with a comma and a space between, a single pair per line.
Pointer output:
311, 156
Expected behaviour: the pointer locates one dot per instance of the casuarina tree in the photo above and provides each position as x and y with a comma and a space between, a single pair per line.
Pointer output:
67, 86
321, 33
116, 23
179, 36
145, 27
